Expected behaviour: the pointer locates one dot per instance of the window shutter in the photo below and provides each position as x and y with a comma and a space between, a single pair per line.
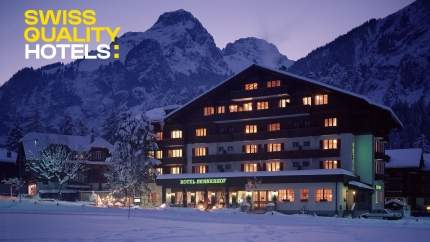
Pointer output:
207, 150
243, 148
194, 153
282, 147
259, 167
264, 167
339, 164
259, 148
338, 143
207, 168
321, 144
265, 148
281, 166
194, 169
167, 170
242, 168
321, 164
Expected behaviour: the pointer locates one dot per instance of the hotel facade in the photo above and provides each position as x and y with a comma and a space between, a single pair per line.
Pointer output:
270, 137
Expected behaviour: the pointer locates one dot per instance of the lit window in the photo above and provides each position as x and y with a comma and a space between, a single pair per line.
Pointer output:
304, 194
233, 108
251, 86
175, 153
207, 111
284, 102
220, 109
251, 129
330, 164
250, 149
175, 170
247, 107
159, 154
159, 171
262, 105
176, 134
307, 101
201, 132
159, 136
273, 166
274, 127
329, 144
151, 154
274, 83
330, 122
250, 167
379, 167
323, 195
286, 195
200, 169
274, 147
200, 151
321, 99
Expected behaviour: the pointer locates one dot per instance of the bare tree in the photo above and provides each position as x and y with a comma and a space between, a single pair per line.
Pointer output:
131, 165
54, 164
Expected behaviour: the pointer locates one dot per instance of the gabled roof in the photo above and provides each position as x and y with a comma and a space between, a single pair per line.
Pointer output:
34, 142
305, 79
404, 158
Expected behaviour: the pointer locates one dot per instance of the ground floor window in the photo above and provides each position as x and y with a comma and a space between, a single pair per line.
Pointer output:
323, 195
304, 195
286, 195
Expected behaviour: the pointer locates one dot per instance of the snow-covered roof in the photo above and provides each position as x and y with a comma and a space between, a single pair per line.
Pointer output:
34, 142
7, 156
158, 114
426, 157
404, 158
310, 172
366, 99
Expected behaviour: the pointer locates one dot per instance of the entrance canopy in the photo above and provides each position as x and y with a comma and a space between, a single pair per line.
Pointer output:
242, 178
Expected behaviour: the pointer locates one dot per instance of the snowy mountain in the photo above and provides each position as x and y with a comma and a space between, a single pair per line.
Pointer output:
173, 61
387, 60
246, 51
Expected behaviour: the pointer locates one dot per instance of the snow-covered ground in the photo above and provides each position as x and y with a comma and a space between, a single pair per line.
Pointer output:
45, 221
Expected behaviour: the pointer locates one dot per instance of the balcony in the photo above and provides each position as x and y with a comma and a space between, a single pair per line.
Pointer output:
173, 160
290, 154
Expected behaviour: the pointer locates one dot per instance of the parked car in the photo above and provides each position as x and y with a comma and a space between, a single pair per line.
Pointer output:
382, 214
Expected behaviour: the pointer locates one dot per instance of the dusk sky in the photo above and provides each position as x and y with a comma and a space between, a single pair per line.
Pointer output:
296, 27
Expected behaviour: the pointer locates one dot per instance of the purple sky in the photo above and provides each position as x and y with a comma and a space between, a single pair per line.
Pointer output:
296, 27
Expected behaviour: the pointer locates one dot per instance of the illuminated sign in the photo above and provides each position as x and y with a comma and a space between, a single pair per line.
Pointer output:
378, 187
202, 181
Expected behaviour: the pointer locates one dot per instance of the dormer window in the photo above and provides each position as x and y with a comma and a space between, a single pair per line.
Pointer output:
274, 83
251, 86
208, 111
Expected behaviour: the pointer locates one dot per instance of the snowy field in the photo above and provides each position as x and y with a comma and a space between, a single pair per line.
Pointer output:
73, 222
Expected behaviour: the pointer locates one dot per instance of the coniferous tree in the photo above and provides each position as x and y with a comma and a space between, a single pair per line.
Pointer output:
34, 123
14, 135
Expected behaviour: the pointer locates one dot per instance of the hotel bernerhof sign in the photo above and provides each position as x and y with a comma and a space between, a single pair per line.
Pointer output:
202, 181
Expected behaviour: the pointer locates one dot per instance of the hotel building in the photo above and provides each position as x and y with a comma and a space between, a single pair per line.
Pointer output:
268, 136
